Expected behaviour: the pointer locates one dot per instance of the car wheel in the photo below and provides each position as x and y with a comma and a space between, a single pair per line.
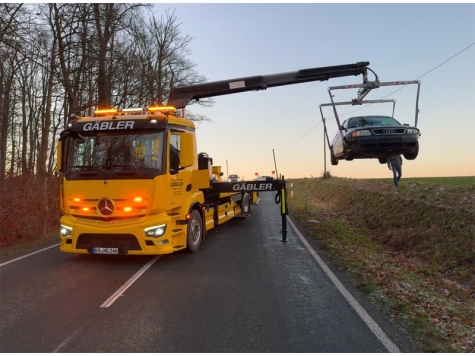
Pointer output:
333, 160
383, 160
195, 232
348, 156
413, 154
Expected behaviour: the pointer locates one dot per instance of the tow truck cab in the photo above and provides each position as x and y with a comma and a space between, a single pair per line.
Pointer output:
130, 179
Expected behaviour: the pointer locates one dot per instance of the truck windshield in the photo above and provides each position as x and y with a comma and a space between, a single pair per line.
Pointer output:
141, 151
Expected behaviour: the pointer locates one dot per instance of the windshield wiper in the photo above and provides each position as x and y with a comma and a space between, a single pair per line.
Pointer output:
126, 166
92, 170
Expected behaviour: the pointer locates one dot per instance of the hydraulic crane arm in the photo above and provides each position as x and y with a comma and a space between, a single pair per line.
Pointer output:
181, 96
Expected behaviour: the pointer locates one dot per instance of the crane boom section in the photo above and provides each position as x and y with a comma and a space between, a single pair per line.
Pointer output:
181, 96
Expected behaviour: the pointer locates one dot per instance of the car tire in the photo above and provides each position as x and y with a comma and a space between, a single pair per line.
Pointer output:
348, 156
383, 160
194, 233
413, 154
333, 160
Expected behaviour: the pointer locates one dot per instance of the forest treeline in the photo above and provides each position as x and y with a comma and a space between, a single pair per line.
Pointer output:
59, 60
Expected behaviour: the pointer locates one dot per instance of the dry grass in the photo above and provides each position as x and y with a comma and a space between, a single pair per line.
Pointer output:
411, 248
21, 210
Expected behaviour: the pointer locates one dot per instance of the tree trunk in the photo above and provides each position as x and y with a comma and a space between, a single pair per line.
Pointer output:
42, 172
5, 93
104, 37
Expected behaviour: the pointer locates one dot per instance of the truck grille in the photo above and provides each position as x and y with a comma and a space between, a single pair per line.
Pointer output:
124, 242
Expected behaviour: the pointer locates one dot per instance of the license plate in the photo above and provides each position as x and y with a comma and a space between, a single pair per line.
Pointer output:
106, 250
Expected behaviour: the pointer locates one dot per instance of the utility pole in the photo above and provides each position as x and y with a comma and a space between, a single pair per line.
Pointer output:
275, 164
324, 151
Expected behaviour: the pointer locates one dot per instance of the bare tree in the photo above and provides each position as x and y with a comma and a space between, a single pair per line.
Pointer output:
110, 19
62, 58
11, 31
42, 159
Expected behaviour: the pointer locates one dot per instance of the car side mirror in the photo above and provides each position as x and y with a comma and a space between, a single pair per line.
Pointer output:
342, 128
405, 124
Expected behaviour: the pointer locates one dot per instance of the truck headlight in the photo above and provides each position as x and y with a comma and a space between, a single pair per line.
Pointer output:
156, 231
65, 230
361, 133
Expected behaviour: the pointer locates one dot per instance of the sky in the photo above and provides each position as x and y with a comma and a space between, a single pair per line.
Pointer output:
401, 42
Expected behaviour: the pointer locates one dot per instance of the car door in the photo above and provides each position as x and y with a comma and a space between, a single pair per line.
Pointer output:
337, 143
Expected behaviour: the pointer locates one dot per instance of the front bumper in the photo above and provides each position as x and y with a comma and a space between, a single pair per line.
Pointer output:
126, 235
375, 147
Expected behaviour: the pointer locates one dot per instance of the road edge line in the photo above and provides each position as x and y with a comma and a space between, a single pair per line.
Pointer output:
369, 321
56, 350
33, 253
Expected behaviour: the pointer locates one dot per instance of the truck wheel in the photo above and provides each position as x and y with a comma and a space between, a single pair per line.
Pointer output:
195, 232
383, 160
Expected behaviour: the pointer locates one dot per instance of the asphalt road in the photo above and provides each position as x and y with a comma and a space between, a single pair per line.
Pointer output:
243, 291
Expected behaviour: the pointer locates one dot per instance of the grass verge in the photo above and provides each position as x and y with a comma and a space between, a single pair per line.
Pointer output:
410, 250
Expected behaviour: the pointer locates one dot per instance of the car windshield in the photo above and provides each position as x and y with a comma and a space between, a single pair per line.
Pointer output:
372, 121
139, 151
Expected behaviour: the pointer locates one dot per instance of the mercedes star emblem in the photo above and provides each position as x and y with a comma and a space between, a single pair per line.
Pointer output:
105, 207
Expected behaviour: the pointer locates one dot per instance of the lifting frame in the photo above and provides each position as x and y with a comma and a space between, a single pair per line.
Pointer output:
364, 90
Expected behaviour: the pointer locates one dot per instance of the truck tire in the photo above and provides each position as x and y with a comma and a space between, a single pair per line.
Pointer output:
194, 234
383, 160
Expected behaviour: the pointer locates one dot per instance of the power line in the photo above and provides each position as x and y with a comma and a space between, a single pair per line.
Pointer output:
455, 55
290, 144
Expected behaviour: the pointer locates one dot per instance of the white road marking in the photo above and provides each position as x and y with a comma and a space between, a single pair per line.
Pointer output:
127, 284
33, 253
374, 327
68, 339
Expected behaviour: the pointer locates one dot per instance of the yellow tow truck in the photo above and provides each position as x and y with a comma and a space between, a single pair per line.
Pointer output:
133, 181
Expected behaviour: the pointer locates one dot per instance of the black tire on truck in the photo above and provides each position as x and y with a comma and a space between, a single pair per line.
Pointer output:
194, 234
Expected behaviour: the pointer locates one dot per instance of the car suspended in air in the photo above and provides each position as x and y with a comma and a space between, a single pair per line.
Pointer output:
372, 136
